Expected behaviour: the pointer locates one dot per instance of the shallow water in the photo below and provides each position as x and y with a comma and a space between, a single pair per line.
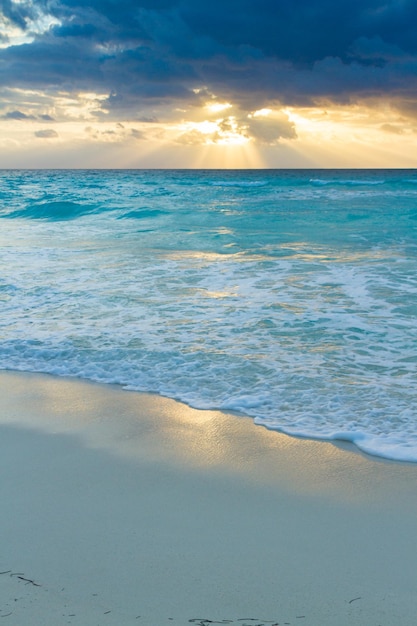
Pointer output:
290, 296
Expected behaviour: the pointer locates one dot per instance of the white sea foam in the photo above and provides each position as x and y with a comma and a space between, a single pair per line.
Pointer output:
345, 181
238, 183
308, 325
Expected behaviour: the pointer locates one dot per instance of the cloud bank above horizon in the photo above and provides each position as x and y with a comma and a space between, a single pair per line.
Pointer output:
238, 83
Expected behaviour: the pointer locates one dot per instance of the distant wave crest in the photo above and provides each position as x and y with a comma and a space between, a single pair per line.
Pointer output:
54, 211
348, 183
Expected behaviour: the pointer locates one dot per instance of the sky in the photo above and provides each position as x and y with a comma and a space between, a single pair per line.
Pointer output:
213, 84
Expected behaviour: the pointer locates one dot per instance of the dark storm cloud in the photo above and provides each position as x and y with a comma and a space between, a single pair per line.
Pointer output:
18, 13
305, 31
251, 51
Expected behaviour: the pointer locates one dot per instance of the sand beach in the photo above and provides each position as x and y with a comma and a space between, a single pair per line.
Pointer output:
128, 508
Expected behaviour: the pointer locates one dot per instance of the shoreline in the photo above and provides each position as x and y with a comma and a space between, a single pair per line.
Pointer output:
129, 508
344, 442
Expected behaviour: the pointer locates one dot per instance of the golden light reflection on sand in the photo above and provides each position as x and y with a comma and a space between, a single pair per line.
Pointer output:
151, 429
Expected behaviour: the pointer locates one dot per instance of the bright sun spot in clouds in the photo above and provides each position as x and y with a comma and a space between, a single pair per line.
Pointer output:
229, 133
222, 132
216, 107
217, 134
262, 113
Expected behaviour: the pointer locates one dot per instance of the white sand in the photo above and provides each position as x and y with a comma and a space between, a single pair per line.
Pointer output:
127, 508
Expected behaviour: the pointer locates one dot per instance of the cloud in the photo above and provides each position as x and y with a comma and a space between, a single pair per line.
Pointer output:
137, 134
265, 126
47, 133
150, 55
21, 116
18, 115
118, 133
392, 128
270, 130
18, 13
192, 137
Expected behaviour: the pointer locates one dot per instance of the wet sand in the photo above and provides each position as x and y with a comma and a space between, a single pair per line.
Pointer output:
127, 508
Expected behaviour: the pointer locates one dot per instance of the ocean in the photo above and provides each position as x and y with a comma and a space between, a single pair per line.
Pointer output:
288, 296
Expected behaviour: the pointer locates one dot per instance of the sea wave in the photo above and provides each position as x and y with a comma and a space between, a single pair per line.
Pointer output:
345, 182
55, 210
238, 183
296, 309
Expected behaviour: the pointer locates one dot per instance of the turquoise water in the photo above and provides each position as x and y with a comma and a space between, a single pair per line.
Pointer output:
289, 296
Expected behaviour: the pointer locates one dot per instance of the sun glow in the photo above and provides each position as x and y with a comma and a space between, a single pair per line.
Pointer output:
222, 132
262, 113
41, 129
216, 107
361, 135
